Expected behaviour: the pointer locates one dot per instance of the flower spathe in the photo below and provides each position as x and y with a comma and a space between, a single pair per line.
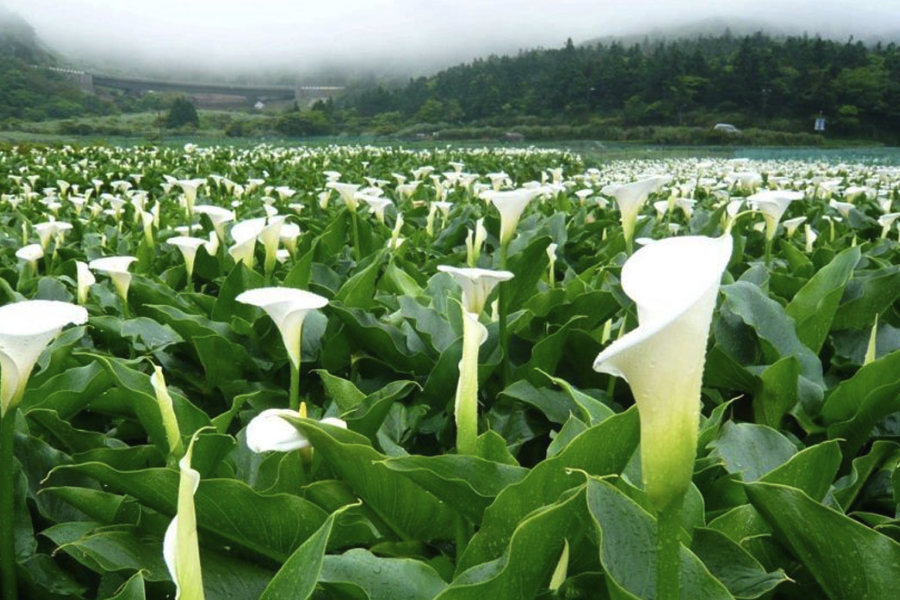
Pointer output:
288, 307
26, 328
772, 204
117, 269
630, 198
181, 549
477, 284
511, 205
674, 283
269, 431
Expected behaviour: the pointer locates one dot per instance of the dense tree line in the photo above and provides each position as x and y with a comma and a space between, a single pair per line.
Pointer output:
752, 81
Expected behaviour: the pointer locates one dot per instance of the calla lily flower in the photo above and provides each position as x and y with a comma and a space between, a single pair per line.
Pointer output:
218, 216
26, 328
885, 220
791, 225
188, 247
167, 412
476, 286
30, 254
511, 205
631, 197
244, 234
811, 238
474, 242
377, 205
181, 549
772, 204
117, 269
288, 307
674, 283
85, 279
270, 432
189, 187
347, 192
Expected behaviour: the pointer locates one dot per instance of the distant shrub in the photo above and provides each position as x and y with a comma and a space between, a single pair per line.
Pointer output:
181, 113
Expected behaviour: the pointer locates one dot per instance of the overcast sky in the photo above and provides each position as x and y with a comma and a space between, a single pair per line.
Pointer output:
304, 35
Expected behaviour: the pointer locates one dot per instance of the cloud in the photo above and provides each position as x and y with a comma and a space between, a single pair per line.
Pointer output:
400, 35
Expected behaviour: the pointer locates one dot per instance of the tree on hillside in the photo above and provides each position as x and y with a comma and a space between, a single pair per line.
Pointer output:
182, 112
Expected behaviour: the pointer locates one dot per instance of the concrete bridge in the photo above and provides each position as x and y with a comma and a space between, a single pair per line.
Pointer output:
253, 93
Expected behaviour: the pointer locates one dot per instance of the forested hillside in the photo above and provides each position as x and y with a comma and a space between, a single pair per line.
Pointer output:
752, 81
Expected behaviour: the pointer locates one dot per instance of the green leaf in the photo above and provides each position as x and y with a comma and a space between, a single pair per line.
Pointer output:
467, 483
271, 526
849, 487
814, 306
733, 566
383, 341
381, 578
132, 590
751, 450
867, 295
527, 266
604, 449
849, 560
857, 404
811, 470
410, 511
297, 577
777, 393
773, 325
527, 565
546, 353
627, 536
359, 290
346, 395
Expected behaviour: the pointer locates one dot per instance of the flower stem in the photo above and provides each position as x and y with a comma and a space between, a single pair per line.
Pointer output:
295, 388
466, 408
355, 225
502, 310
7, 506
668, 557
769, 252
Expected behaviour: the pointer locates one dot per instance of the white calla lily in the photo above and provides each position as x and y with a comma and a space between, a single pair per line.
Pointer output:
288, 308
26, 328
188, 247
85, 279
270, 432
181, 548
773, 204
630, 198
511, 205
674, 283
116, 267
476, 285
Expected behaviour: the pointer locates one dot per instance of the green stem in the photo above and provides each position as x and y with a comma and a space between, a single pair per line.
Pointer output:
502, 318
769, 252
466, 408
356, 252
7, 506
295, 388
668, 557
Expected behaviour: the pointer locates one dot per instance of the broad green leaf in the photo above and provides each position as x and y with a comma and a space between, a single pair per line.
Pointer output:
857, 404
627, 539
867, 295
410, 511
297, 577
132, 590
271, 526
381, 578
359, 290
848, 488
814, 306
343, 392
751, 451
777, 393
811, 470
527, 565
733, 566
849, 560
604, 449
467, 483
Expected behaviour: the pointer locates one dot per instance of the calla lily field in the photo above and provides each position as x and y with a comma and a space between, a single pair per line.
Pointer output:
373, 373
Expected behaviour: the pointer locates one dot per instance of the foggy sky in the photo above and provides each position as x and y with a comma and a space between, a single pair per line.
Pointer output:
400, 36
